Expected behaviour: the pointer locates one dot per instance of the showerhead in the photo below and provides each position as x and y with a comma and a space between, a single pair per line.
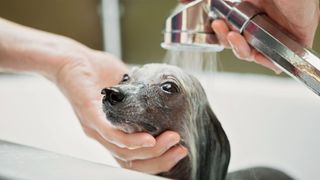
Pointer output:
188, 28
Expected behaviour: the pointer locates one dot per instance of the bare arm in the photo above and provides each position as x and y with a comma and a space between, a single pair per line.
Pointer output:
26, 49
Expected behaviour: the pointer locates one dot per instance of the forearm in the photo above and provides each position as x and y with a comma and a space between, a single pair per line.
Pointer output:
26, 49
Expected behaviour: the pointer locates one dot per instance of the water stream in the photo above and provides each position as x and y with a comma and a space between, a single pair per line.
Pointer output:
193, 61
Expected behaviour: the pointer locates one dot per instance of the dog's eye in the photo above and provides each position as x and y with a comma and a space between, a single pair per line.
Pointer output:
125, 78
169, 87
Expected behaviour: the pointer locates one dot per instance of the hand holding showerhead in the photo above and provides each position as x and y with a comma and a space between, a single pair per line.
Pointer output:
301, 22
187, 29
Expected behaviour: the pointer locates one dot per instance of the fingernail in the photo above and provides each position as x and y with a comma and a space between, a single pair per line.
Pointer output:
173, 142
234, 49
237, 51
179, 157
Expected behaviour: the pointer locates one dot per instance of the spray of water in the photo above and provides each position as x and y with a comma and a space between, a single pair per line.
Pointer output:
193, 61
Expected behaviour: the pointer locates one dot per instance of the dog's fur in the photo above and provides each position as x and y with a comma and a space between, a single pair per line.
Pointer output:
158, 97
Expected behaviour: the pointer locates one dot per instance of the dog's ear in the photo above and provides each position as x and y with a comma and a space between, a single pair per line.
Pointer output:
216, 149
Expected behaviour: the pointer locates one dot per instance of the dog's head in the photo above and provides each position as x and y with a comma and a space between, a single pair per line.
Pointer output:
158, 97
153, 98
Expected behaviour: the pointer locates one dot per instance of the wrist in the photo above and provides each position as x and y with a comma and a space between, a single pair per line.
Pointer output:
55, 55
26, 49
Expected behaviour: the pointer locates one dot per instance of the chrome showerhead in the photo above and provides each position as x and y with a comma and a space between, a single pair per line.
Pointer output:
192, 47
188, 28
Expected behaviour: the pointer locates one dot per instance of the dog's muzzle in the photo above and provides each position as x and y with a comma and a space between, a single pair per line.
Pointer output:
112, 96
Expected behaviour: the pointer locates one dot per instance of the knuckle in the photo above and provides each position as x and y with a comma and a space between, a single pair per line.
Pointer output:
88, 132
113, 138
121, 141
86, 123
131, 165
126, 164
123, 155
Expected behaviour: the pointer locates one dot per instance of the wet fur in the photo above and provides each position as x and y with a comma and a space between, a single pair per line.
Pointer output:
146, 108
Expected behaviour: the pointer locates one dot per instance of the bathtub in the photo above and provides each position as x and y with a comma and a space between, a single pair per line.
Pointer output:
270, 121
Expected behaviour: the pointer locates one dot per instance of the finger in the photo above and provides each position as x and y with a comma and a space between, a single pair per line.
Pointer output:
160, 164
122, 139
164, 142
261, 59
221, 29
185, 1
240, 46
96, 120
242, 50
119, 153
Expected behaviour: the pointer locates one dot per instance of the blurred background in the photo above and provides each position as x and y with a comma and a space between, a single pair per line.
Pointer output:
270, 121
141, 24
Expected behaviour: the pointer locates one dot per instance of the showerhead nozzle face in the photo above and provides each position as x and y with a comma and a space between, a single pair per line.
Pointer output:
192, 47
189, 29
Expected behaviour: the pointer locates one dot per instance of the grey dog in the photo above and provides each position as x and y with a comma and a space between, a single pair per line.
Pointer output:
159, 97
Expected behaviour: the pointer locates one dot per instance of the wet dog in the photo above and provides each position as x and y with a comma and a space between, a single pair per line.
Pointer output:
159, 97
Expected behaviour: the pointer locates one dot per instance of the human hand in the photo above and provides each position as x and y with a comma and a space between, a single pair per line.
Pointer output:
81, 79
299, 17
81, 73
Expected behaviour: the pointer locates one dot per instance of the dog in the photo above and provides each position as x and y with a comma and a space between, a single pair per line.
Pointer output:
160, 97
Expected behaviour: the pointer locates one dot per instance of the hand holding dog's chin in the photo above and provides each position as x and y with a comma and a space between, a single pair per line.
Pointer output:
81, 80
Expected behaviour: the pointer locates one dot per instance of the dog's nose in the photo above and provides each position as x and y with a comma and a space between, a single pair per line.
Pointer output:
113, 95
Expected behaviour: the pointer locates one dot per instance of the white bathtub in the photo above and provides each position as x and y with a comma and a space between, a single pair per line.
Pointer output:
269, 121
